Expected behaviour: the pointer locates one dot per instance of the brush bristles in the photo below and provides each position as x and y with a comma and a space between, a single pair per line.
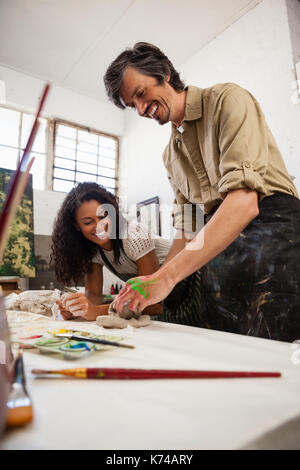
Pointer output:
18, 416
41, 371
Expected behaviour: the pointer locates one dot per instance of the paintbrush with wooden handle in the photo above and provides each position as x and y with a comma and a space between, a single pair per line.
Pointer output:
19, 404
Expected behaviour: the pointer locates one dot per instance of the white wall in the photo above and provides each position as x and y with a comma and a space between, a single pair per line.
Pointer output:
142, 173
254, 52
45, 208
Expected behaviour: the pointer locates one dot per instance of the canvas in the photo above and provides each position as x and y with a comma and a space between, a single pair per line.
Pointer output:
18, 259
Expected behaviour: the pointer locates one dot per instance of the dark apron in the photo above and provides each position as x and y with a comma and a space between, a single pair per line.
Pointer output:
253, 287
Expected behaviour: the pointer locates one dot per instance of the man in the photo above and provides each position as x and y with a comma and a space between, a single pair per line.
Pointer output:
221, 154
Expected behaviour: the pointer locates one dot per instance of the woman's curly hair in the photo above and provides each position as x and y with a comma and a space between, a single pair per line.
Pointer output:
72, 253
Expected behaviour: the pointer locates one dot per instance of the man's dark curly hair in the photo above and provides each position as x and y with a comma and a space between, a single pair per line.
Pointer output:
146, 59
72, 253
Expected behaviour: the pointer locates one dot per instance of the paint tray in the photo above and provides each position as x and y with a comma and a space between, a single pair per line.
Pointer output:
70, 349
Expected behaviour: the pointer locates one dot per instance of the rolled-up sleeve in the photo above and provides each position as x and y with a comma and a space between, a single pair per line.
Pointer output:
243, 144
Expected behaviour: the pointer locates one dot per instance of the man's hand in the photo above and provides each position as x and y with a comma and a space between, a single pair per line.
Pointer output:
153, 289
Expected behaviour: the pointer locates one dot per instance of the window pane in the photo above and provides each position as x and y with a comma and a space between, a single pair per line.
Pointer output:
106, 172
63, 186
108, 182
65, 163
40, 139
38, 170
88, 148
88, 137
83, 148
83, 177
107, 162
107, 142
66, 131
9, 127
65, 152
106, 152
8, 158
65, 174
65, 142
86, 167
87, 157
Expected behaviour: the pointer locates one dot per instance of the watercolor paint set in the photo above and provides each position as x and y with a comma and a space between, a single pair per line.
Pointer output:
54, 342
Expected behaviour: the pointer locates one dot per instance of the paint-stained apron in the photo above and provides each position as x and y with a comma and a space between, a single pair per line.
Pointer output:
253, 287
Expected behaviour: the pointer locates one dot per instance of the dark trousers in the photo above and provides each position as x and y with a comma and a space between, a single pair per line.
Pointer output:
253, 287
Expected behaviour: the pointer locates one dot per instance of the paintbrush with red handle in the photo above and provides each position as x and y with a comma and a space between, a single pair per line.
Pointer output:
19, 181
115, 373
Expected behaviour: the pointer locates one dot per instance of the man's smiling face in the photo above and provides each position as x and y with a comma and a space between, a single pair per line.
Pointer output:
149, 98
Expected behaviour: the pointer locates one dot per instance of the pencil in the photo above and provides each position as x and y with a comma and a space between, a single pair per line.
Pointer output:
115, 373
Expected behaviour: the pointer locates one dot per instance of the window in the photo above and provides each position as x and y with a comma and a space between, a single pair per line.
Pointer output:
77, 153
81, 154
15, 127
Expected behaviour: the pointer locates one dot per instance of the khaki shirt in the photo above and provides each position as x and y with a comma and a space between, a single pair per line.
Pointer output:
225, 144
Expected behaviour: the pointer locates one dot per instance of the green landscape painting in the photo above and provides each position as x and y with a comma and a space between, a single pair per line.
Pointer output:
18, 259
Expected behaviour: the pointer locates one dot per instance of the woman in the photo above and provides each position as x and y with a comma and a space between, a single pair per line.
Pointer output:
89, 233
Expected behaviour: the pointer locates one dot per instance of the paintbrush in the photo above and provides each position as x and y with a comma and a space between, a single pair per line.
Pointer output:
94, 340
104, 373
19, 181
19, 405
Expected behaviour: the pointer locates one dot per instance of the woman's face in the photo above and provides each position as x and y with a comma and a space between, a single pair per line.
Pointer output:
93, 221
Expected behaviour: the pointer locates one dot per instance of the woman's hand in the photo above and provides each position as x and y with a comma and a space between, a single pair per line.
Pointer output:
64, 313
142, 291
78, 305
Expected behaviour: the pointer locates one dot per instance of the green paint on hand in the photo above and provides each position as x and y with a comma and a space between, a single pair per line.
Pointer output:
140, 286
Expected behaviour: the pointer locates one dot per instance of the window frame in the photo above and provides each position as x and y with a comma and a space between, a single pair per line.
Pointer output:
20, 150
51, 140
51, 124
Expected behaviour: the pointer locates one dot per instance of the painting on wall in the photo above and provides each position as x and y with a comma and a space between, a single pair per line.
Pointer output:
18, 259
148, 214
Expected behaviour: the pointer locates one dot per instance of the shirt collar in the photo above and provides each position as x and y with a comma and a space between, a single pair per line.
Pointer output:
193, 105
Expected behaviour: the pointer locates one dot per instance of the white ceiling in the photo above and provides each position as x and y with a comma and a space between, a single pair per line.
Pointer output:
71, 42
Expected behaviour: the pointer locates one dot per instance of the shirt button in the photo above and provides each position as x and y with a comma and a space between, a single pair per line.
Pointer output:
247, 164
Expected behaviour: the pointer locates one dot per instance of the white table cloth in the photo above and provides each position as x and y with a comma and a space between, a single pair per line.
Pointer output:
163, 414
